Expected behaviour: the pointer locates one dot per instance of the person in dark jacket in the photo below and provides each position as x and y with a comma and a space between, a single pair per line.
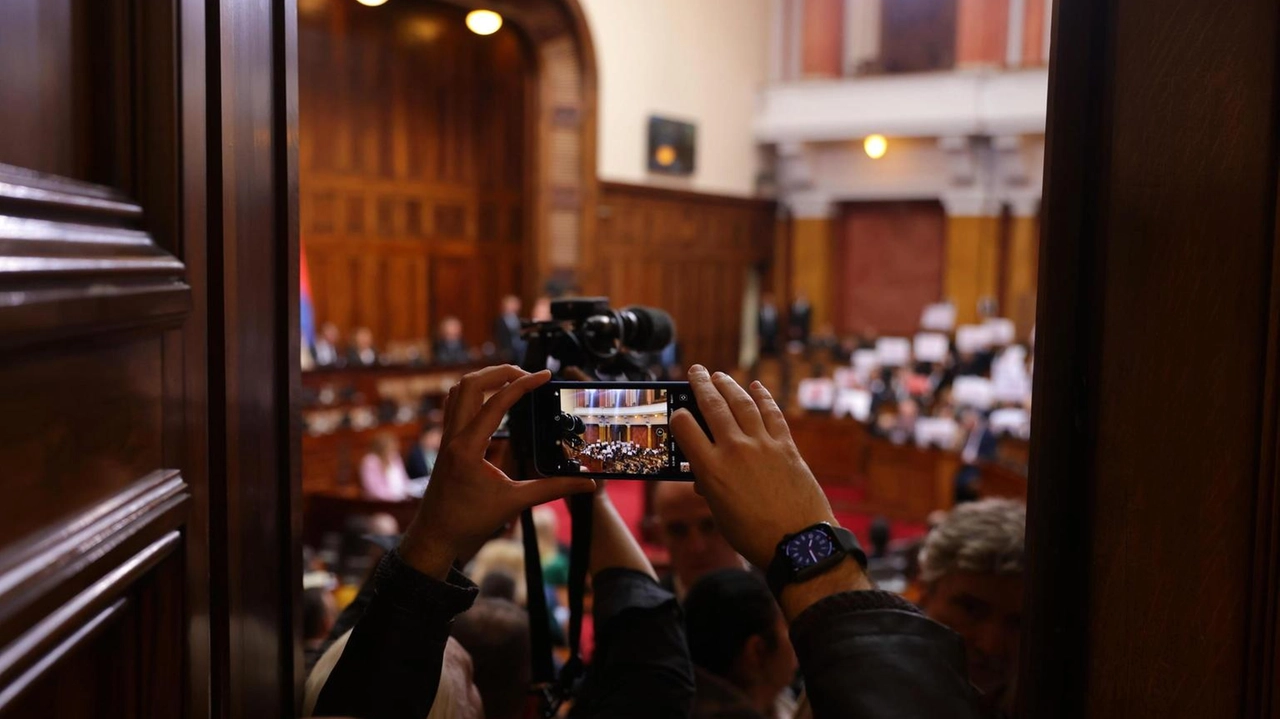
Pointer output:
507, 342
863, 653
743, 661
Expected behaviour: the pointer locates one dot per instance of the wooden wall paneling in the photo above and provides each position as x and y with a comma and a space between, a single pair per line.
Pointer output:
437, 172
887, 265
823, 38
254, 336
1152, 537
686, 253
1033, 19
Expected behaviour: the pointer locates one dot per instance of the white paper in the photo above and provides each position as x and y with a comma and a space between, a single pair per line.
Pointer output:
972, 392
937, 432
817, 393
972, 338
1000, 331
930, 347
1011, 420
893, 351
940, 317
854, 403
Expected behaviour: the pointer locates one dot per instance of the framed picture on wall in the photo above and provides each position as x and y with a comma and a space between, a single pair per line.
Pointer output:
671, 146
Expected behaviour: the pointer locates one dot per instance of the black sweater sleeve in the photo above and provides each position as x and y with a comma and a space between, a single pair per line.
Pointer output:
872, 654
390, 668
641, 666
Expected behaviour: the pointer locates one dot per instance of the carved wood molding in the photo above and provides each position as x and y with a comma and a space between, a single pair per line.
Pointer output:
74, 259
77, 622
68, 556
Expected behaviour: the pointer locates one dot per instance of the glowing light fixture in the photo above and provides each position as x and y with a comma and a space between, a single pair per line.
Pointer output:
372, 3
665, 155
875, 146
483, 22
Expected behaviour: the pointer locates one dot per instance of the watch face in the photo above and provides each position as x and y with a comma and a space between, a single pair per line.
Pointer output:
808, 548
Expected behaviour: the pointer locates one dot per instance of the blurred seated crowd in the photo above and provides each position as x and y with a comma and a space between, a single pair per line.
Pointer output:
955, 388
448, 348
703, 636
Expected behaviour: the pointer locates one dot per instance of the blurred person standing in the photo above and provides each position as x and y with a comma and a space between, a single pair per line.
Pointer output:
767, 325
801, 318
507, 341
422, 458
361, 353
325, 353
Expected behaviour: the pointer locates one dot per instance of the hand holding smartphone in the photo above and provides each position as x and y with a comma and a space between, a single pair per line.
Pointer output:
610, 430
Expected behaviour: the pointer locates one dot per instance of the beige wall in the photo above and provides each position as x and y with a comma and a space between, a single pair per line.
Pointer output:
695, 60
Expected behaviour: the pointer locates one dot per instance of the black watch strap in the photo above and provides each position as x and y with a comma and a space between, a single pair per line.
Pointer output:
780, 572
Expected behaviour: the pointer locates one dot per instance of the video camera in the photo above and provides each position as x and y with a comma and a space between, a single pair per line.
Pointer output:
606, 345
586, 333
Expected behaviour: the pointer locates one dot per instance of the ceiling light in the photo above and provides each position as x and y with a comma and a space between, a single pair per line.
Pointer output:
372, 3
875, 146
483, 22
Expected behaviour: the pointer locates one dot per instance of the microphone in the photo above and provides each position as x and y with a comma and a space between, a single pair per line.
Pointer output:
646, 329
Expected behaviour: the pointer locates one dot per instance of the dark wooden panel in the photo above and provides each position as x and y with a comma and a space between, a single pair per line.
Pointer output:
412, 128
689, 254
97, 199
1151, 527
888, 265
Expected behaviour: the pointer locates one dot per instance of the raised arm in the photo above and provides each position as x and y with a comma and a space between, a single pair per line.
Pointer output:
863, 653
391, 665
641, 666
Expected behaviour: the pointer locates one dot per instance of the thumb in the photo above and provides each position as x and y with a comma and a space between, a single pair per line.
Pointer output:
541, 491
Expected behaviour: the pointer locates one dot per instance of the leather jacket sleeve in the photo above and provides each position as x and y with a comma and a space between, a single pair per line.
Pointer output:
873, 654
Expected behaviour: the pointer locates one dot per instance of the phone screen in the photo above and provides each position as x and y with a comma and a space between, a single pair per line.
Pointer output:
613, 430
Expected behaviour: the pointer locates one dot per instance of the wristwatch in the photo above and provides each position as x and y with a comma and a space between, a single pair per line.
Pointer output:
810, 552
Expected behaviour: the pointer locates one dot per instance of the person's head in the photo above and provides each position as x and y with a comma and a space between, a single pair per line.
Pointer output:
318, 613
542, 309
510, 305
456, 694
505, 556
329, 331
689, 532
364, 338
766, 299
546, 526
495, 632
451, 329
736, 631
879, 535
908, 410
384, 524
802, 297
386, 446
971, 573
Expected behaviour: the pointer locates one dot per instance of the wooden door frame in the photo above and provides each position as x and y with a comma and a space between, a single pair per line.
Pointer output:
1099, 223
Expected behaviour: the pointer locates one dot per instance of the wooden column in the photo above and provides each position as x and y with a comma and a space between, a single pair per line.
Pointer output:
971, 271
811, 266
1022, 247
1153, 584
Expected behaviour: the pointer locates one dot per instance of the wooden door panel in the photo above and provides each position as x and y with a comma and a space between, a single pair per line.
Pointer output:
94, 306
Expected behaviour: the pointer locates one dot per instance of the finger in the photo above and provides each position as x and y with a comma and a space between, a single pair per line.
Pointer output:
775, 423
541, 491
448, 430
490, 415
715, 411
691, 440
473, 387
744, 409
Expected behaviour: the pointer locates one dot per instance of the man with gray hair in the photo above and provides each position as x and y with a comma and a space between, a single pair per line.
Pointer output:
971, 572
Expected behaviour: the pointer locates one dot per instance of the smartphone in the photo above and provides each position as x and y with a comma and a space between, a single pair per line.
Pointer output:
610, 430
